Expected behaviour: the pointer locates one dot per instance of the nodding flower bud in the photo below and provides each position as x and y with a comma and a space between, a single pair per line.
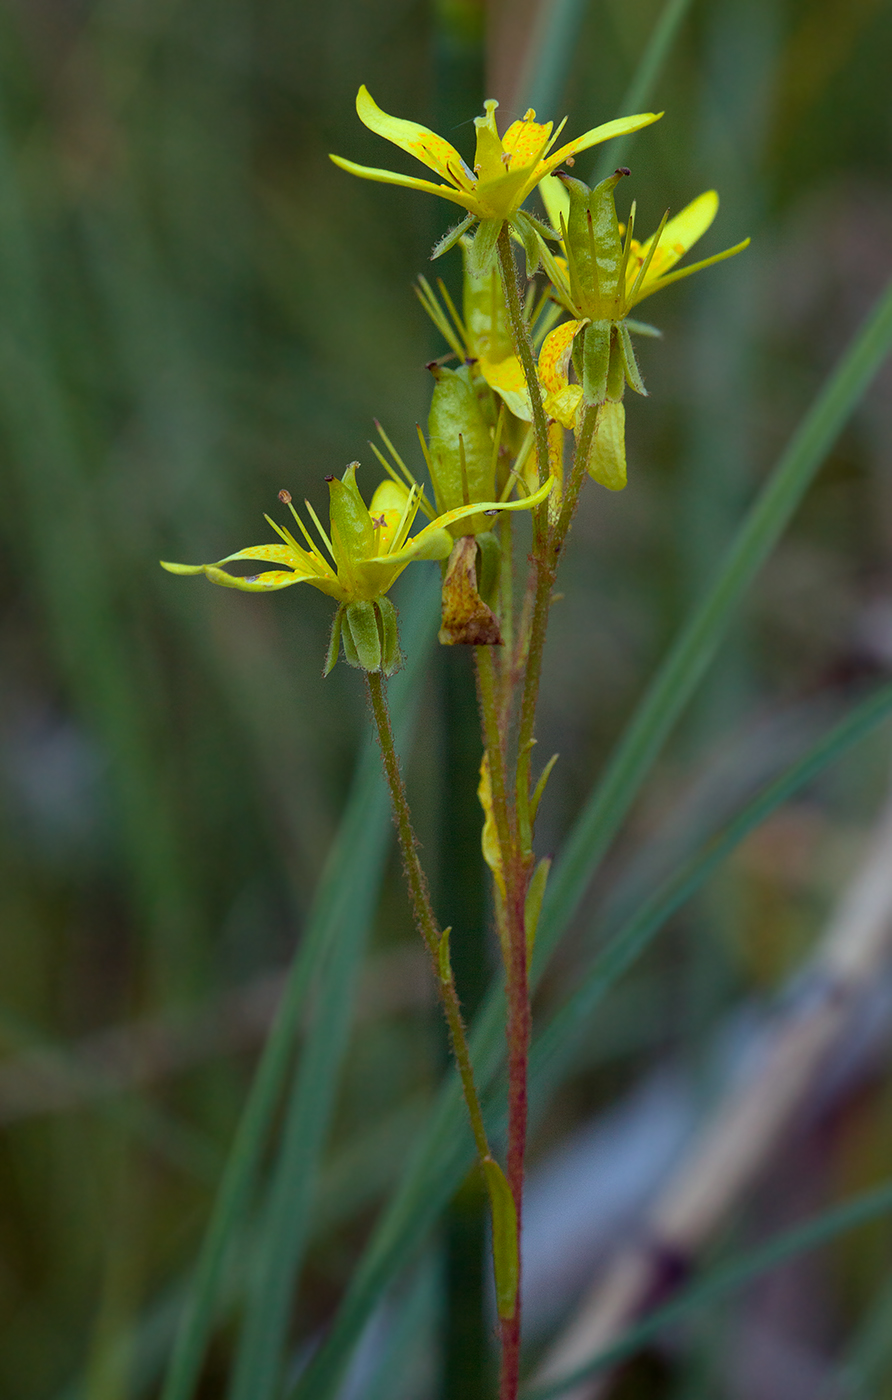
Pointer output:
462, 465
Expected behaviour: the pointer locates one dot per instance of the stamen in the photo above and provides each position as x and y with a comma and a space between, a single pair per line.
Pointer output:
460, 182
430, 467
423, 503
497, 439
459, 323
642, 271
552, 140
627, 248
438, 316
410, 510
463, 468
313, 558
316, 521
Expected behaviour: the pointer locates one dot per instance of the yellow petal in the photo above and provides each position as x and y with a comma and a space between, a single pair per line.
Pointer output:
388, 510
607, 460
554, 357
679, 234
489, 840
488, 155
620, 126
429, 538
526, 140
508, 380
422, 143
680, 272
564, 405
409, 182
556, 199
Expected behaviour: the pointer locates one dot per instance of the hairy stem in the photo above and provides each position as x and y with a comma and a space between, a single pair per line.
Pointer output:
524, 348
421, 908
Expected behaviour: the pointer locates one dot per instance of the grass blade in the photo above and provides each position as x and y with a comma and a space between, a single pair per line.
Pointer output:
441, 1160
727, 1278
644, 81
686, 663
554, 1047
358, 857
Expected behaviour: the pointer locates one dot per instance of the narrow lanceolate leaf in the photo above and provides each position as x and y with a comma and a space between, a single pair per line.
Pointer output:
533, 903
505, 1253
440, 1159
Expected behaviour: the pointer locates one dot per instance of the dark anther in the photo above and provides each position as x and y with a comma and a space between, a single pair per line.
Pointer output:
623, 170
329, 478
285, 497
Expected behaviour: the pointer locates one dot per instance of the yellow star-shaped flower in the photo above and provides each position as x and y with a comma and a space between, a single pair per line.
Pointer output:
506, 168
367, 547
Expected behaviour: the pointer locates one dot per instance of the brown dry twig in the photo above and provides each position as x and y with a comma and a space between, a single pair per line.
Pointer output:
747, 1126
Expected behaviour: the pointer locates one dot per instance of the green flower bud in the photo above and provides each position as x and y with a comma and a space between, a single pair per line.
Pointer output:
462, 462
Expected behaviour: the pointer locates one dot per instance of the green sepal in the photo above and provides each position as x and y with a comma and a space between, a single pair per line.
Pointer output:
505, 1253
391, 656
451, 237
533, 903
529, 236
632, 373
361, 627
489, 568
444, 967
595, 361
644, 328
334, 642
352, 532
616, 370
482, 252
540, 786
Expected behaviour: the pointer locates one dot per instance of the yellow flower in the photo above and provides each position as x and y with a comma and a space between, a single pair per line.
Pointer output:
506, 168
634, 270
367, 550
367, 547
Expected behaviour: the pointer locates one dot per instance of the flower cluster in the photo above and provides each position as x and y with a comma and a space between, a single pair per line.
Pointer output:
481, 452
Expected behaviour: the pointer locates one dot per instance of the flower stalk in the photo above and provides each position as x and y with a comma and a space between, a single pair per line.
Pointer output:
436, 940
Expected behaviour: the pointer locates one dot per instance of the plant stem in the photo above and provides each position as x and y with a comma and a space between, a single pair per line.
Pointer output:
523, 346
425, 918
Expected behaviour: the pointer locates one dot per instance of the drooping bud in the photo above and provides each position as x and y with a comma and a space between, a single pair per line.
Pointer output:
462, 462
467, 619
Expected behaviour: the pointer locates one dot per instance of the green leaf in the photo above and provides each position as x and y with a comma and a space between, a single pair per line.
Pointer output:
505, 1253
533, 902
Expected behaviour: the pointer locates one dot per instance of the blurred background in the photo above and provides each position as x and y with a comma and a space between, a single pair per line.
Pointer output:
198, 309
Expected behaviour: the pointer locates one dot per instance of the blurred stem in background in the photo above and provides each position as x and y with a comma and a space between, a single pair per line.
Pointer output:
467, 1370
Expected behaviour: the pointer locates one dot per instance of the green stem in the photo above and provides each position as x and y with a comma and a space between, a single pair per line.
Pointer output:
425, 918
523, 346
493, 738
545, 565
